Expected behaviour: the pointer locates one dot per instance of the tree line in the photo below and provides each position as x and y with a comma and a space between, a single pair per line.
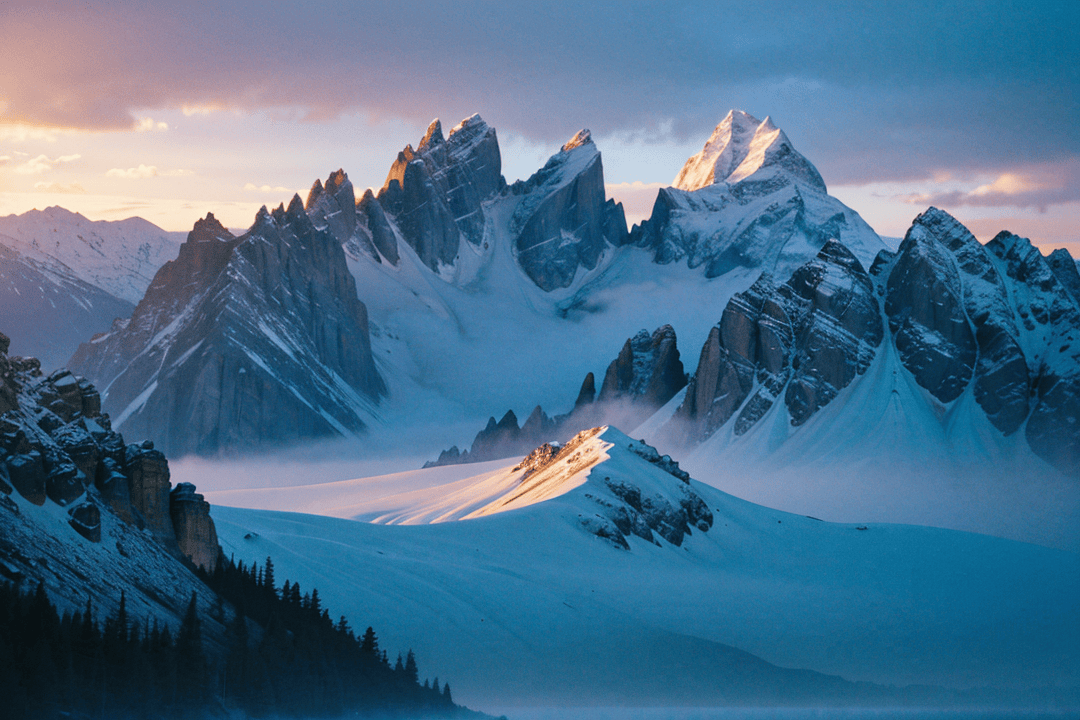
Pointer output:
282, 656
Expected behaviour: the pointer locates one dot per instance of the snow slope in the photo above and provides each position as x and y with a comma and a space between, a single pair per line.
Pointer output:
47, 310
117, 257
535, 604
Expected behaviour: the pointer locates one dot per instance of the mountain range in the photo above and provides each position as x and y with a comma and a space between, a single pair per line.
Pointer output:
827, 397
64, 278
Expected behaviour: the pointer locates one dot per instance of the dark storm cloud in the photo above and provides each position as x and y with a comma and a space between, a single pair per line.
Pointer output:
882, 93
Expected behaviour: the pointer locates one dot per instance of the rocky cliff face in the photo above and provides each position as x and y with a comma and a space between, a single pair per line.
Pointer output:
244, 341
57, 447
1067, 272
435, 193
1049, 335
193, 526
647, 371
749, 199
991, 322
803, 341
450, 190
563, 221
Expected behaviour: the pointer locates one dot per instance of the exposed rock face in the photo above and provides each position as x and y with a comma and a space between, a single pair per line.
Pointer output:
926, 313
497, 436
55, 445
1066, 270
992, 322
648, 370
642, 379
195, 532
332, 207
563, 221
449, 190
148, 487
244, 341
631, 511
750, 200
963, 328
806, 339
435, 192
1051, 325
588, 391
372, 222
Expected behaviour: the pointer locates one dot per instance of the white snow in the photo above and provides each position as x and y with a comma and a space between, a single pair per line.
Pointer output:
524, 606
117, 257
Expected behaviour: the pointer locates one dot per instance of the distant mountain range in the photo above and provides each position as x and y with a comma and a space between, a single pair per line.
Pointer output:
408, 316
64, 278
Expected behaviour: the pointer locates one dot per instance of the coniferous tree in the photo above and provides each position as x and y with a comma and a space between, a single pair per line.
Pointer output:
412, 673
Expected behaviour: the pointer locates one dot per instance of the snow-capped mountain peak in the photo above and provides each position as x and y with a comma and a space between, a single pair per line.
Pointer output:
724, 151
583, 137
433, 136
740, 147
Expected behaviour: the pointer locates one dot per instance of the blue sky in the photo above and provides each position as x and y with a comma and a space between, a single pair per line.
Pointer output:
168, 110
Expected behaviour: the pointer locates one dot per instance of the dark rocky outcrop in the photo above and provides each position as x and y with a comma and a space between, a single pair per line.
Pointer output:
372, 222
57, 446
1066, 271
194, 528
647, 371
646, 375
244, 341
588, 391
496, 436
957, 327
564, 221
804, 340
994, 323
1046, 311
86, 520
434, 193
625, 509
148, 487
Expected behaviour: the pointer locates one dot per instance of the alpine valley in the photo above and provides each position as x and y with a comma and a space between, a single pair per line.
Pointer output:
875, 499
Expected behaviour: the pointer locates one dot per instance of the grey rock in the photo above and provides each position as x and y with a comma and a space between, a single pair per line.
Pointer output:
115, 489
27, 474
262, 330
1047, 312
148, 487
496, 438
925, 305
837, 332
372, 222
196, 535
564, 221
647, 371
85, 518
64, 482
804, 340
1066, 270
587, 393
435, 193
